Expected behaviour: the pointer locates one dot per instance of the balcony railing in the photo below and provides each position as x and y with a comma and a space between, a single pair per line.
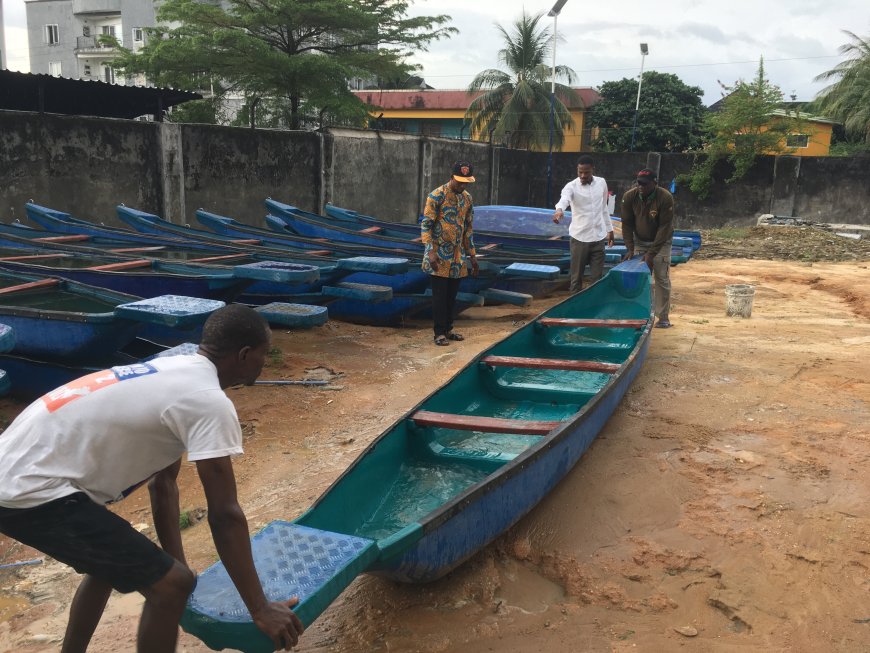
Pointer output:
90, 45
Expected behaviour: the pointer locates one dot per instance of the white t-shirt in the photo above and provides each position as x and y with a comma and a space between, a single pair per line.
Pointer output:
590, 216
107, 433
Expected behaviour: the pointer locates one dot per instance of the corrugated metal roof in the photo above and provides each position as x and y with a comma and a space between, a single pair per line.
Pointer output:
441, 100
36, 92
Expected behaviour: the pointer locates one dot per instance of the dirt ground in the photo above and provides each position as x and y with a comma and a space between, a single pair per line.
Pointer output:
724, 507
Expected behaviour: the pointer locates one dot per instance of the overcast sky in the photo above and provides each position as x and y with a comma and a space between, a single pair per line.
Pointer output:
700, 41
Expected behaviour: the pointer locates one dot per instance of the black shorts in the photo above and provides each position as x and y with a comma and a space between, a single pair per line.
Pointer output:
91, 539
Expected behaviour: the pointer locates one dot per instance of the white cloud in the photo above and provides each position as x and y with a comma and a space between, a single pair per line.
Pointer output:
700, 41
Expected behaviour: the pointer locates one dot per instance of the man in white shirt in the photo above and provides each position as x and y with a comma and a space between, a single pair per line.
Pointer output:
590, 227
98, 438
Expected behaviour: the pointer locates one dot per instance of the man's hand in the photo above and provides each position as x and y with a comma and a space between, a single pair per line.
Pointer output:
433, 260
648, 259
280, 623
610, 239
475, 268
628, 254
558, 215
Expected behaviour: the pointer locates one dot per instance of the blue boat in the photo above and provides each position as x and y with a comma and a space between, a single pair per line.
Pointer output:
310, 225
539, 222
457, 470
361, 222
506, 283
7, 342
58, 319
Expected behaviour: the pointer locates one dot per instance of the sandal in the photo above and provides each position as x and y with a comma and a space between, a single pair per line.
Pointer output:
455, 336
441, 341
663, 324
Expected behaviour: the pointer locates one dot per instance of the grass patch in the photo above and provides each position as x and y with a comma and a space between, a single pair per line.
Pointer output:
701, 321
729, 233
275, 356
185, 520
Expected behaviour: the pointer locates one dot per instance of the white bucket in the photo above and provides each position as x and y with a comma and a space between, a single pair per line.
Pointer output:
738, 300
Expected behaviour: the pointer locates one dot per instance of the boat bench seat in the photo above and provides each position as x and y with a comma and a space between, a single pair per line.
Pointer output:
360, 291
371, 230
32, 285
483, 424
550, 364
606, 324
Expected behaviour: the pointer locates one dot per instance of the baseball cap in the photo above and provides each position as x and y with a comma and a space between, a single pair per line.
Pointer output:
463, 172
646, 175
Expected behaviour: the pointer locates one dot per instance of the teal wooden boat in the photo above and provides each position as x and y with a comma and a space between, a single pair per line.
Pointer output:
457, 470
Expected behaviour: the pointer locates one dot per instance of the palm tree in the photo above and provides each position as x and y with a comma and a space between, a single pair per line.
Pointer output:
516, 106
848, 98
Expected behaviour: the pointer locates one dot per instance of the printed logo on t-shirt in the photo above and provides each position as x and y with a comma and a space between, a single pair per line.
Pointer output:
93, 382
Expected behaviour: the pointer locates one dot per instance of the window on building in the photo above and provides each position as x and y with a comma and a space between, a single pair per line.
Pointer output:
54, 68
797, 140
87, 70
108, 30
108, 74
51, 34
138, 35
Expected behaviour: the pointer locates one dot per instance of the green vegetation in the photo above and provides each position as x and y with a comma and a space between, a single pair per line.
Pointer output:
185, 520
750, 123
848, 98
670, 118
275, 356
729, 233
515, 109
292, 58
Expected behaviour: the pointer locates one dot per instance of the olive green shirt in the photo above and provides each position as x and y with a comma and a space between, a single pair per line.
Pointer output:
650, 218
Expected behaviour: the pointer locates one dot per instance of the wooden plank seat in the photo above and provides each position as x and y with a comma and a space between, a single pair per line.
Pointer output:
42, 283
555, 238
319, 252
371, 230
483, 424
222, 257
246, 241
607, 324
125, 265
550, 364
31, 257
77, 238
488, 247
129, 250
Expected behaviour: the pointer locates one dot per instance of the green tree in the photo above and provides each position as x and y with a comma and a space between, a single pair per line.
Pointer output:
670, 119
848, 98
750, 123
515, 107
300, 53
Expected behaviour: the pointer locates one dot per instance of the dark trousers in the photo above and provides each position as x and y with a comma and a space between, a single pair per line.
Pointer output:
444, 291
583, 254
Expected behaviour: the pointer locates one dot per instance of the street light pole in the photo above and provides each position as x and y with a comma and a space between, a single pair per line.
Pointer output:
554, 12
644, 50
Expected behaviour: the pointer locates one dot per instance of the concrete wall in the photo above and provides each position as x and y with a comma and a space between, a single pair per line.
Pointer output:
82, 165
86, 166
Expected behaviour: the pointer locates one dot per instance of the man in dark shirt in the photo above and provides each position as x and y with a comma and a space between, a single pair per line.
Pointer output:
648, 229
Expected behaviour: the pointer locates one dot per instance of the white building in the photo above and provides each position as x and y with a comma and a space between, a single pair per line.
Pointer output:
63, 35
2, 39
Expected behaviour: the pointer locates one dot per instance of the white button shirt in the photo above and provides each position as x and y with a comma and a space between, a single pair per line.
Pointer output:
590, 217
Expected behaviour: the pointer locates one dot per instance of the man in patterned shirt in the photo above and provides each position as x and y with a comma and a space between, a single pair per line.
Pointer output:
446, 232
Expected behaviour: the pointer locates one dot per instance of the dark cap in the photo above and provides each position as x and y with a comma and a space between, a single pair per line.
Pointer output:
646, 175
463, 172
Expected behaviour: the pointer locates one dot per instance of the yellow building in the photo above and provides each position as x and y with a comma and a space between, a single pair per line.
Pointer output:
442, 113
813, 137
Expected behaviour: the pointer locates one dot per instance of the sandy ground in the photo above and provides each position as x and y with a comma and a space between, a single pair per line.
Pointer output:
724, 507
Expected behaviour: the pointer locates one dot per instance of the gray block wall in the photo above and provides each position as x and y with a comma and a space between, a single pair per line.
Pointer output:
87, 166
